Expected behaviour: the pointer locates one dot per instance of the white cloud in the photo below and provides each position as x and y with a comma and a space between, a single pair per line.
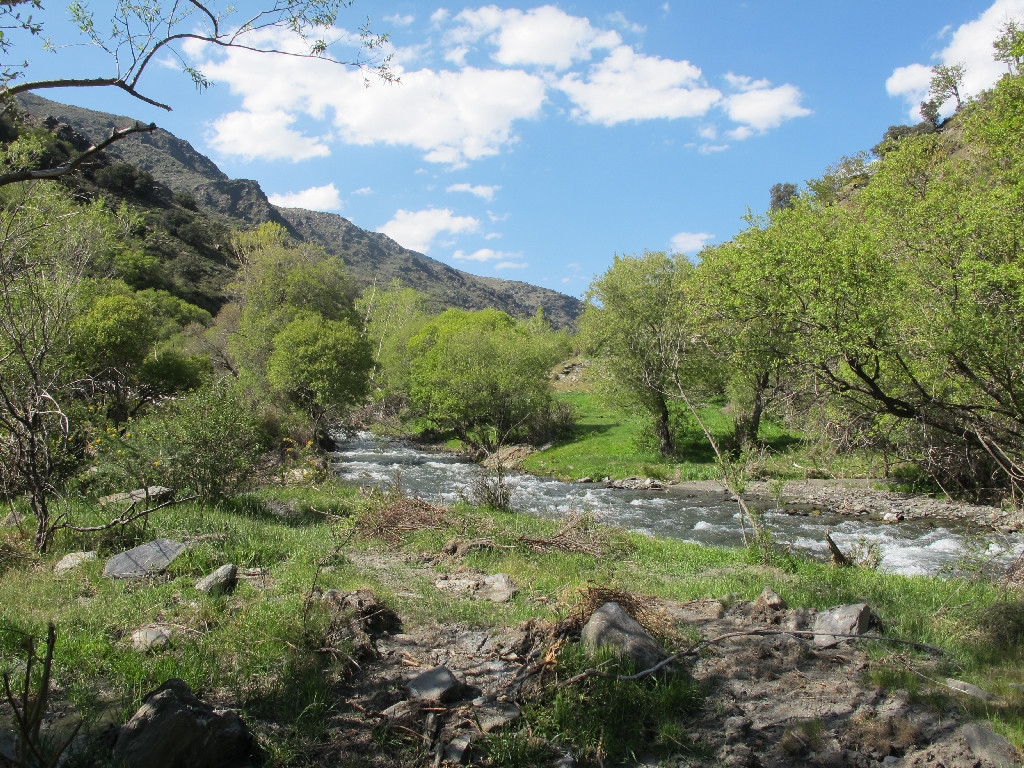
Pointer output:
399, 20
759, 106
266, 135
481, 191
690, 242
511, 265
544, 36
710, 149
627, 86
416, 230
485, 254
325, 198
709, 132
440, 16
970, 45
451, 116
363, 191
492, 236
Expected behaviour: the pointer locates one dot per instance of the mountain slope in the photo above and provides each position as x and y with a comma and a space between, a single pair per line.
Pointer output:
371, 258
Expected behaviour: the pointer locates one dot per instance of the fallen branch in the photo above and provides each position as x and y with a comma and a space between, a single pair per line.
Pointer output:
694, 650
837, 554
124, 519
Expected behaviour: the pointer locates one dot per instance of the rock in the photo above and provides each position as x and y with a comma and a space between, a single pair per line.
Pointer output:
611, 626
72, 560
459, 548
373, 617
455, 750
498, 588
989, 746
970, 690
403, 710
694, 611
437, 684
155, 493
152, 637
174, 729
145, 560
842, 620
892, 517
768, 600
799, 618
220, 582
490, 717
636, 484
587, 479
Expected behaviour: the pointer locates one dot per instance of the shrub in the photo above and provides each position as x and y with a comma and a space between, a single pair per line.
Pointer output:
205, 443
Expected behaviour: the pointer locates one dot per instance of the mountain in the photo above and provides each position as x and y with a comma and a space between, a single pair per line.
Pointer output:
370, 257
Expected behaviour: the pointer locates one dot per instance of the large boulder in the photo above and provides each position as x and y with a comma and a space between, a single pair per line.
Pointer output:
145, 560
610, 626
174, 729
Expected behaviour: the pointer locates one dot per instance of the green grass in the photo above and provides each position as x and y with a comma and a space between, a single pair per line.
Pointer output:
256, 650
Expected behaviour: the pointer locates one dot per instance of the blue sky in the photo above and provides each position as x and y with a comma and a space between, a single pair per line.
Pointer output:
533, 142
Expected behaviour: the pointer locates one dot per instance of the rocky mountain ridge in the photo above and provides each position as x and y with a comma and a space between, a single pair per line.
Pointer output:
372, 258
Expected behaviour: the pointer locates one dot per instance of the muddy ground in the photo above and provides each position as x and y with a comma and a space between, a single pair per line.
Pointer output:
771, 701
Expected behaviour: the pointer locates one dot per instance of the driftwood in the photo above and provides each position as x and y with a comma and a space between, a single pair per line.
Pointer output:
837, 554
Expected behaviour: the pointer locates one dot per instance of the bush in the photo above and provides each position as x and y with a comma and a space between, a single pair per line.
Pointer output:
205, 443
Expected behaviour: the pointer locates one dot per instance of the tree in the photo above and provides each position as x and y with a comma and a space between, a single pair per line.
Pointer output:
781, 196
480, 375
946, 82
140, 32
637, 322
323, 366
46, 243
1009, 46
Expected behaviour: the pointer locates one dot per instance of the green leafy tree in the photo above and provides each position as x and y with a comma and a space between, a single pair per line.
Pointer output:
321, 365
1009, 46
46, 245
482, 376
639, 325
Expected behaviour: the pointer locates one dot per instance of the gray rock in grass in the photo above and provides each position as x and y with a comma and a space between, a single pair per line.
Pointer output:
72, 560
220, 582
611, 626
990, 747
152, 637
843, 620
145, 560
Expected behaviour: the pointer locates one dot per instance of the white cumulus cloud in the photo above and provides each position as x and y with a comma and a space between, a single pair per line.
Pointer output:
511, 265
266, 135
416, 230
544, 36
479, 190
970, 44
759, 107
627, 85
690, 242
325, 198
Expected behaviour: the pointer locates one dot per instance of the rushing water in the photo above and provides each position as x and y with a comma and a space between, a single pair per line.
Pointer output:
704, 518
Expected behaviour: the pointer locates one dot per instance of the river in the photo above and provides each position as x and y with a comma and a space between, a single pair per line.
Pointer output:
705, 518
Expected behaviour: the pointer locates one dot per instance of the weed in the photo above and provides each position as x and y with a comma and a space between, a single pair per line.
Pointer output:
608, 720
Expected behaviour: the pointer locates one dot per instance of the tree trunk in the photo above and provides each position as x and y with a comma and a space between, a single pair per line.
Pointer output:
661, 426
748, 428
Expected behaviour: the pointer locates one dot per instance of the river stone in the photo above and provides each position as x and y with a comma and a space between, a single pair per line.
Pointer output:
455, 750
220, 582
174, 729
152, 637
841, 620
155, 493
611, 626
72, 560
437, 684
144, 560
989, 746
